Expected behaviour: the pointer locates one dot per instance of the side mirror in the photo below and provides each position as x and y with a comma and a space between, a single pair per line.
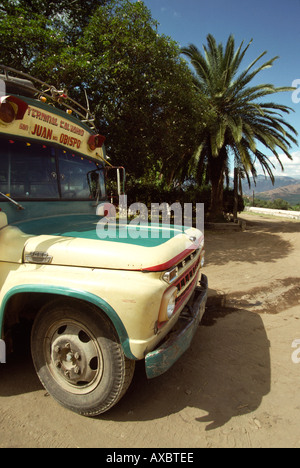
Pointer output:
93, 179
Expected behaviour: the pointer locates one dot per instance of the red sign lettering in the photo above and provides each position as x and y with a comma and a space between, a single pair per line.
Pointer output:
69, 141
42, 132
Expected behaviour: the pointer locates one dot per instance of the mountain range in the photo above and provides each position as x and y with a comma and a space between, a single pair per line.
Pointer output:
286, 188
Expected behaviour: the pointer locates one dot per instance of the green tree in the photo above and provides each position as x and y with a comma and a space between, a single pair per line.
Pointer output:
237, 116
137, 83
143, 90
33, 32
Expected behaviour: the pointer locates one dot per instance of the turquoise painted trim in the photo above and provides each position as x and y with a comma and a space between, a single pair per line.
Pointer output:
77, 294
85, 226
43, 209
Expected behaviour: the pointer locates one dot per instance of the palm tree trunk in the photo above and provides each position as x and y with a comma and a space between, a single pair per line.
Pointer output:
235, 193
217, 168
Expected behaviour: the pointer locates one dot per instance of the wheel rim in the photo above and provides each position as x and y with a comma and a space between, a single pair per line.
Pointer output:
73, 356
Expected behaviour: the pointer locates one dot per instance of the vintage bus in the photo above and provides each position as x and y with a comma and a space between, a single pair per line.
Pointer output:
94, 306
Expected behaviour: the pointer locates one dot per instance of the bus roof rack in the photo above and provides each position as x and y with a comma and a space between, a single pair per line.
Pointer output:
19, 82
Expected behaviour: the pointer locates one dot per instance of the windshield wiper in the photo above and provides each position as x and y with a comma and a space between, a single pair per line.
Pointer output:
20, 207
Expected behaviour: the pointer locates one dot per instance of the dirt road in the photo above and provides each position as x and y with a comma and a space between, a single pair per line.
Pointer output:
237, 386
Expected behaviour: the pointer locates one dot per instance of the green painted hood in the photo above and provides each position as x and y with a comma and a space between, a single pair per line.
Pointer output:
84, 240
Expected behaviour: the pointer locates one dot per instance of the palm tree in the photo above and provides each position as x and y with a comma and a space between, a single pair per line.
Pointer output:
236, 116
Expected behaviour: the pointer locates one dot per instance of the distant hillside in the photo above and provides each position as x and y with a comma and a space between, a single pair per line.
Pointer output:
289, 193
265, 185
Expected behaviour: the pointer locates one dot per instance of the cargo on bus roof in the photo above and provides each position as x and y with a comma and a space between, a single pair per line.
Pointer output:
19, 86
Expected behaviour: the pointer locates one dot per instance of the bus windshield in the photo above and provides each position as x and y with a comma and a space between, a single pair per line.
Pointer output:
31, 171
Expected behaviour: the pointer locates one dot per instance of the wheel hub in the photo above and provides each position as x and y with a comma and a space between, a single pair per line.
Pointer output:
75, 356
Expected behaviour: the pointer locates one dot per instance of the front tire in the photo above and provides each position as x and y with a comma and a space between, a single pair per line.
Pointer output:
78, 357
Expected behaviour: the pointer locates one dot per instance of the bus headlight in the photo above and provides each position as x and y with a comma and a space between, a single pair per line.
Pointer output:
168, 305
171, 306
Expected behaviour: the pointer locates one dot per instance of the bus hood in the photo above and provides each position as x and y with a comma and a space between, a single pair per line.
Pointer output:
85, 241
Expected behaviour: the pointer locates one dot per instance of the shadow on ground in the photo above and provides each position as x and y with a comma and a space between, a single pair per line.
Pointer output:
261, 242
225, 373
